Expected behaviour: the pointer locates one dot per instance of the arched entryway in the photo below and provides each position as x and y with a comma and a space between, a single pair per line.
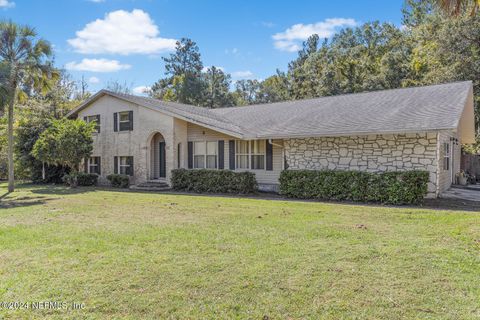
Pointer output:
158, 169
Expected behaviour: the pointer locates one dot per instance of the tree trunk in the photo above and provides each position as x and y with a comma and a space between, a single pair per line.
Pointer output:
11, 176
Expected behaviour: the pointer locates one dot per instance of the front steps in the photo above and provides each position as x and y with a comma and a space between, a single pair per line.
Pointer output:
152, 185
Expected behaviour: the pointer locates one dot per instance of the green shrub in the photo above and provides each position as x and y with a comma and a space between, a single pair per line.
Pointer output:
389, 187
80, 179
217, 181
119, 180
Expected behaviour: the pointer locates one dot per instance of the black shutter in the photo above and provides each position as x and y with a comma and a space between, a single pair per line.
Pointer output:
130, 118
269, 156
98, 123
85, 119
85, 165
231, 154
115, 122
221, 154
190, 154
99, 165
115, 165
130, 162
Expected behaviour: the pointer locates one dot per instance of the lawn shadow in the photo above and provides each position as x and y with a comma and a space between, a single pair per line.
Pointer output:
60, 190
23, 202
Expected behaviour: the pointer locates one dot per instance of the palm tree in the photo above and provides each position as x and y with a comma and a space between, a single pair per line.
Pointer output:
24, 66
455, 7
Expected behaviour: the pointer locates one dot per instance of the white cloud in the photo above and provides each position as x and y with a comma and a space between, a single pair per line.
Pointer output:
121, 32
268, 24
242, 74
6, 4
204, 69
290, 38
141, 89
93, 80
97, 65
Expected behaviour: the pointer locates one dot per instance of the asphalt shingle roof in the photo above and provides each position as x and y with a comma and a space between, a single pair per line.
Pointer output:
413, 109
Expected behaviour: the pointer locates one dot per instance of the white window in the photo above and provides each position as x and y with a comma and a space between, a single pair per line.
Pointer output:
205, 154
446, 156
250, 154
124, 121
94, 165
241, 153
95, 118
125, 165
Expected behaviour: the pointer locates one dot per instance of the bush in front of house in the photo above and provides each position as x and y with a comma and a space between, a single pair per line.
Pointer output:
119, 180
216, 181
407, 187
80, 179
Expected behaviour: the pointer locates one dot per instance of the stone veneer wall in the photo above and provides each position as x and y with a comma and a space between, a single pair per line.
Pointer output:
372, 153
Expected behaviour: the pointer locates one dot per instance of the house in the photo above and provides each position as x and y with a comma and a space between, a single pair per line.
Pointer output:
401, 129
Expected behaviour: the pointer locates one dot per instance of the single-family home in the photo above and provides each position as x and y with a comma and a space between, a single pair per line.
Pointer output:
390, 130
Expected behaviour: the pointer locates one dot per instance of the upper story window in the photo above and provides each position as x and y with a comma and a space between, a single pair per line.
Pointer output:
123, 121
95, 118
446, 156
205, 155
250, 154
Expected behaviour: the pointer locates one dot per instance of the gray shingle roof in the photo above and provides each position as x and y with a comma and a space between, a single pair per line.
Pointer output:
389, 111
414, 109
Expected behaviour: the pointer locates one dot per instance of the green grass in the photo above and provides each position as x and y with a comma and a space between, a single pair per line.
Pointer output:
132, 255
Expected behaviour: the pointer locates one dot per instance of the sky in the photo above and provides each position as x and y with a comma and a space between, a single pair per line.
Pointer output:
124, 40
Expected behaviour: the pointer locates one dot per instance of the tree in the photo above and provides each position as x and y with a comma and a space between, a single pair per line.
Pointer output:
65, 143
217, 84
118, 87
456, 7
26, 60
184, 79
246, 92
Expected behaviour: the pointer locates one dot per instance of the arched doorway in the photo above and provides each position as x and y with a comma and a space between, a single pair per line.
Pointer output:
158, 169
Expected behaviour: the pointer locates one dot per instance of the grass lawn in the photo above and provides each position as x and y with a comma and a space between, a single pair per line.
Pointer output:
129, 255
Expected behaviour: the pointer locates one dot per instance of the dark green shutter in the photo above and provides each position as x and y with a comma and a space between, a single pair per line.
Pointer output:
85, 119
85, 165
99, 165
98, 123
130, 118
130, 163
269, 156
221, 154
115, 122
115, 165
231, 154
190, 154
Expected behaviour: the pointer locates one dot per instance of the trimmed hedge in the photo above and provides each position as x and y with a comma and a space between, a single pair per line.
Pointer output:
80, 179
405, 187
119, 180
217, 181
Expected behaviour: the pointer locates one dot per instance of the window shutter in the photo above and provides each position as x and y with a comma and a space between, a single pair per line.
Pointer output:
130, 162
99, 166
85, 165
98, 123
85, 119
190, 154
221, 154
115, 165
130, 118
269, 155
115, 122
231, 154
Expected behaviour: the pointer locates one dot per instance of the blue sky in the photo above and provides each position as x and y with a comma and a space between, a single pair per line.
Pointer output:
124, 40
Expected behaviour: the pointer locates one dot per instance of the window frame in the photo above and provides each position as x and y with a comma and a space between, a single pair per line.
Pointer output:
120, 121
128, 165
446, 156
250, 154
96, 118
204, 154
97, 165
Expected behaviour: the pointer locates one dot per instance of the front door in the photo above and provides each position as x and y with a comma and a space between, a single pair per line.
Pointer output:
163, 163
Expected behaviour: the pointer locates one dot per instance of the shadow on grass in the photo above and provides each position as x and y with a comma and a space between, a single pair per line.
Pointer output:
23, 202
59, 190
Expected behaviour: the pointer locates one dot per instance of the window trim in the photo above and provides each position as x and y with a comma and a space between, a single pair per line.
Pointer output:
205, 154
446, 156
119, 121
96, 118
250, 154
89, 164
120, 165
